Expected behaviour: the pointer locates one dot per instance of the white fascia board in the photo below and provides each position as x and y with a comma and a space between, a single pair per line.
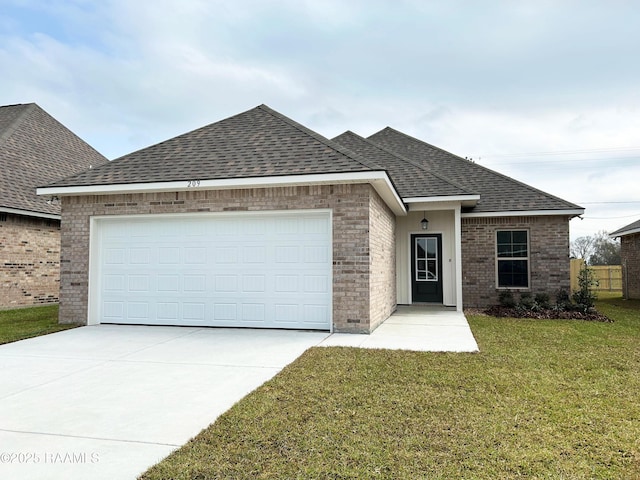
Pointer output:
525, 213
624, 233
444, 198
378, 179
28, 213
443, 202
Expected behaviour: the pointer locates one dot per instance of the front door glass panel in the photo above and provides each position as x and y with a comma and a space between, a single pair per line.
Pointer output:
426, 259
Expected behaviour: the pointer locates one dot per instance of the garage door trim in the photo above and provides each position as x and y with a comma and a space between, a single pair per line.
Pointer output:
96, 251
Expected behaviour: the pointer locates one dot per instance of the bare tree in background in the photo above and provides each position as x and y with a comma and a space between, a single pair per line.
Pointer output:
582, 247
598, 249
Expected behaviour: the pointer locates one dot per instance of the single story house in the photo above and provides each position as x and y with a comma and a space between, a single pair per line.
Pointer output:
630, 253
258, 221
34, 149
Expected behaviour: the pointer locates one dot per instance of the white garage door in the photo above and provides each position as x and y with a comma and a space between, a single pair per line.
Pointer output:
240, 270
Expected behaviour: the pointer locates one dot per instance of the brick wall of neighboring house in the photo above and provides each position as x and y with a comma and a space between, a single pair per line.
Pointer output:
382, 258
351, 252
29, 260
630, 251
548, 256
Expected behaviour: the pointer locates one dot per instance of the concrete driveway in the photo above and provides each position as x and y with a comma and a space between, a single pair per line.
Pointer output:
108, 401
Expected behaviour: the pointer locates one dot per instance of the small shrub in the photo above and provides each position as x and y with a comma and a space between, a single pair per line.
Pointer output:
543, 300
585, 297
526, 301
563, 301
506, 299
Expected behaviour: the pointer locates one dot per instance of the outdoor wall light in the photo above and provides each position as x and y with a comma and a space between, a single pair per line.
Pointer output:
424, 223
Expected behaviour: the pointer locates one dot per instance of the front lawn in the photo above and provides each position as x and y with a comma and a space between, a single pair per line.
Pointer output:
24, 323
557, 399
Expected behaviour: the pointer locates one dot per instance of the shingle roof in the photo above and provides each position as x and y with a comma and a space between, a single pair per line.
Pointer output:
410, 178
257, 143
627, 230
36, 149
263, 143
498, 193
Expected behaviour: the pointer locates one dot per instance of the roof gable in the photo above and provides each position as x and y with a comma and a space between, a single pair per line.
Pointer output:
498, 192
257, 143
34, 149
410, 178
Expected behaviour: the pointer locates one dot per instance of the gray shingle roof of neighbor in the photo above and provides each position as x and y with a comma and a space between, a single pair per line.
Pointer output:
498, 193
257, 143
626, 230
36, 149
409, 177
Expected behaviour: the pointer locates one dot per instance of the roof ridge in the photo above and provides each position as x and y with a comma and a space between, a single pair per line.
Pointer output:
4, 135
328, 142
459, 158
419, 165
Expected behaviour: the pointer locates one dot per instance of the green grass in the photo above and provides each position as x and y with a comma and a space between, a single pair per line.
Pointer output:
24, 323
544, 399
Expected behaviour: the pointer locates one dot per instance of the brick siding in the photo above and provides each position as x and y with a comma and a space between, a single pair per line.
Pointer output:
382, 287
548, 256
29, 261
630, 251
351, 206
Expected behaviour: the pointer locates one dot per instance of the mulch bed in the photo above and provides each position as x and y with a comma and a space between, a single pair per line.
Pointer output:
546, 314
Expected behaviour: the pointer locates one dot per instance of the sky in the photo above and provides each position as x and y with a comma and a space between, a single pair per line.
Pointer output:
547, 92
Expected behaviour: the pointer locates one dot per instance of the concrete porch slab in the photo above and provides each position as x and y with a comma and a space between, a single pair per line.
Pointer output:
417, 328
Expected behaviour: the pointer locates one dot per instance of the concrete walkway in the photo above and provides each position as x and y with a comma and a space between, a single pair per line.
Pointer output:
417, 328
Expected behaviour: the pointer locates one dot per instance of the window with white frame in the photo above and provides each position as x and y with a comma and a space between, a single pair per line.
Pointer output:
512, 258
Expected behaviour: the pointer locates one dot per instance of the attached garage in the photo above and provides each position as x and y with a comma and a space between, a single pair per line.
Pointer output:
232, 269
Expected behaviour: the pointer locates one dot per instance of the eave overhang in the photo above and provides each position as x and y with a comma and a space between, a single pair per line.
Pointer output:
29, 213
526, 213
379, 180
623, 233
464, 200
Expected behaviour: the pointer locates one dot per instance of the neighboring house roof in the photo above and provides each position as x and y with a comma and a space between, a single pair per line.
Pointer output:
498, 193
258, 143
628, 230
36, 149
410, 178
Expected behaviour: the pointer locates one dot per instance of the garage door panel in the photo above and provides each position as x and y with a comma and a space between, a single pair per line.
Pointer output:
194, 312
225, 312
168, 283
138, 312
258, 271
315, 314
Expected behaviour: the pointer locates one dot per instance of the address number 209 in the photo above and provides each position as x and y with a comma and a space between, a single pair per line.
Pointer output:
193, 183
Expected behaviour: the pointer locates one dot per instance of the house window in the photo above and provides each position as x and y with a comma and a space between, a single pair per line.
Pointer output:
512, 252
3, 217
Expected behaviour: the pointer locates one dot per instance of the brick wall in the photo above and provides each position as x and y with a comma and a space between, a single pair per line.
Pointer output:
29, 260
548, 256
351, 261
382, 261
630, 250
